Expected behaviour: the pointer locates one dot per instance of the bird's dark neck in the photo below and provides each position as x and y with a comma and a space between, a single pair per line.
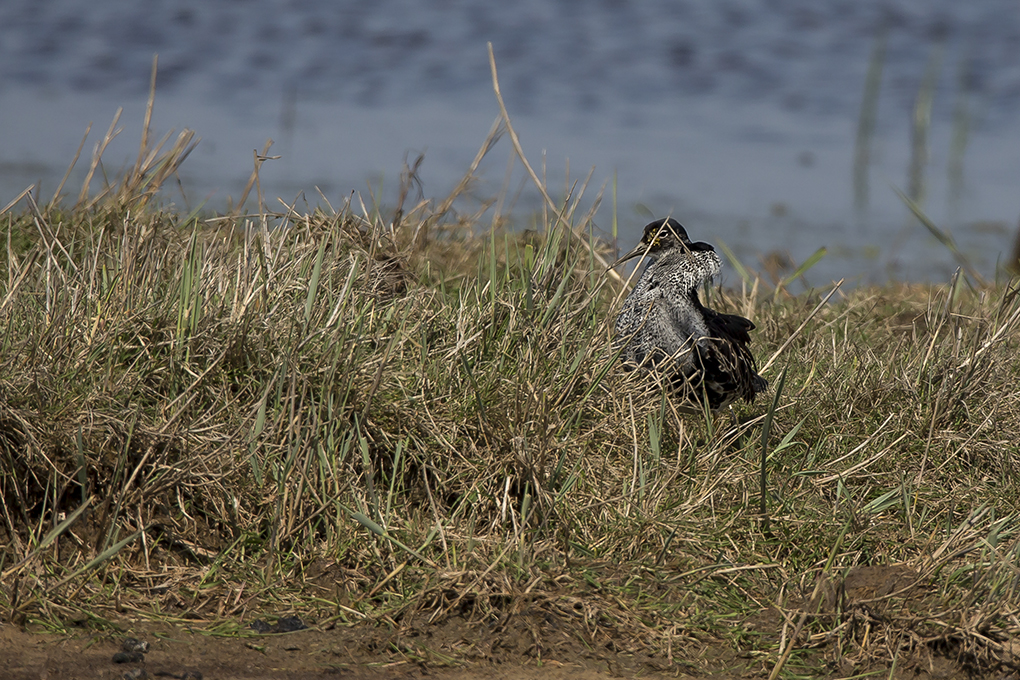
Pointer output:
696, 300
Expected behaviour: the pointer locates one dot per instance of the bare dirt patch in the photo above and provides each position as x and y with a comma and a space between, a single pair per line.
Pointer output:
530, 644
455, 650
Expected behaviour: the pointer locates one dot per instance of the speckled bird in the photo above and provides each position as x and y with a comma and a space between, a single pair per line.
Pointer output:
663, 325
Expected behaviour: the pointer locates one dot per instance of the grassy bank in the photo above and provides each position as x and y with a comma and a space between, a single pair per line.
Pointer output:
398, 419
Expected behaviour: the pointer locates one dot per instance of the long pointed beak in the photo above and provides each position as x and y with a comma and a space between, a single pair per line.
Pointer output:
641, 249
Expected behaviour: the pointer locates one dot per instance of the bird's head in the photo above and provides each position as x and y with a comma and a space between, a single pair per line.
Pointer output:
663, 236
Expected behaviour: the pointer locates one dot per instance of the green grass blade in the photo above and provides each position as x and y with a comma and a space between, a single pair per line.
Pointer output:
766, 429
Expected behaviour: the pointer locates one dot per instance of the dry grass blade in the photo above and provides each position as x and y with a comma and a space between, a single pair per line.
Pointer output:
560, 218
421, 234
800, 328
1006, 327
17, 198
97, 156
260, 158
67, 173
136, 173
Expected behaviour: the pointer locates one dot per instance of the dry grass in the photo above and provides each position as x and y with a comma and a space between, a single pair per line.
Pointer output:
365, 419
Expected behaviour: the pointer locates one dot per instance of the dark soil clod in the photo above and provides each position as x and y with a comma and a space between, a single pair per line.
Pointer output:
128, 657
287, 624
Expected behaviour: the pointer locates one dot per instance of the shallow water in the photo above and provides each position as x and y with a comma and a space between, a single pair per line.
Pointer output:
739, 118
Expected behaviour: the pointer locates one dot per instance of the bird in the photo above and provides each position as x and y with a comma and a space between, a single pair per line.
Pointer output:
664, 327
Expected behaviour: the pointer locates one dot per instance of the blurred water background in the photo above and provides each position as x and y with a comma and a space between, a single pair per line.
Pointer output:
774, 126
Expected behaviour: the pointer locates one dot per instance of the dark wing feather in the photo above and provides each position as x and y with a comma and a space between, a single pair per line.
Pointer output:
727, 364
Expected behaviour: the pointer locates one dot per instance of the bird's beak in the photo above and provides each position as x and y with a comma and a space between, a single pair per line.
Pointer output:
641, 249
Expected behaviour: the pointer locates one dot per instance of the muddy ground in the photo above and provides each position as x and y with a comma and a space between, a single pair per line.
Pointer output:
370, 654
529, 644
339, 653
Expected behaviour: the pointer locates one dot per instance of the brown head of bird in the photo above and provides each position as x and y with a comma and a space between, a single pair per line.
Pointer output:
663, 236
